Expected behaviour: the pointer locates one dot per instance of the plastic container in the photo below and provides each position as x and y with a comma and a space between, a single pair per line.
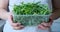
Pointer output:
33, 20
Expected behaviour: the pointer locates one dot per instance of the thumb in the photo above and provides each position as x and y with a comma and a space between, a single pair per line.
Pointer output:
10, 17
50, 21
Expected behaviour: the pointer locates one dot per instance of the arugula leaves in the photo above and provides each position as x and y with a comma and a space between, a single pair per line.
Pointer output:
31, 9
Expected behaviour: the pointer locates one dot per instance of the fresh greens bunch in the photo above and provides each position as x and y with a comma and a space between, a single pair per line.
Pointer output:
31, 9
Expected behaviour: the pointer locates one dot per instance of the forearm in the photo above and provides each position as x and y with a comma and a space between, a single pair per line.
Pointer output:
4, 14
55, 14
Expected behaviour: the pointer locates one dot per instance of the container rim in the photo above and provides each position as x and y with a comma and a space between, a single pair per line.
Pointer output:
31, 15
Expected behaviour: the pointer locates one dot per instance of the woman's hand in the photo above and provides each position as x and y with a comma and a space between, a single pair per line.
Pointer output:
16, 26
45, 25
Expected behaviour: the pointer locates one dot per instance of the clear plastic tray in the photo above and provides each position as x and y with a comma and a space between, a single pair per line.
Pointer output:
31, 20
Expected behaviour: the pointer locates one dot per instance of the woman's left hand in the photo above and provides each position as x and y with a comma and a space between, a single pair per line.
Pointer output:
45, 25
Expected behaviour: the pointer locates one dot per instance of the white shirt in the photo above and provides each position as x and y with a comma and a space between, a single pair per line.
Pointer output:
8, 27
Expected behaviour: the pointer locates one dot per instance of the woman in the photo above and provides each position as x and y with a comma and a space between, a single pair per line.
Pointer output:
10, 26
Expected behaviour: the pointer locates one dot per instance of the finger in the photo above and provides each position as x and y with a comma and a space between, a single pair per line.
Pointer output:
15, 24
18, 28
21, 27
45, 24
42, 27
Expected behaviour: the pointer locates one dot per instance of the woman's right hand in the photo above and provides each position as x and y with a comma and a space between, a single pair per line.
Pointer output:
16, 26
